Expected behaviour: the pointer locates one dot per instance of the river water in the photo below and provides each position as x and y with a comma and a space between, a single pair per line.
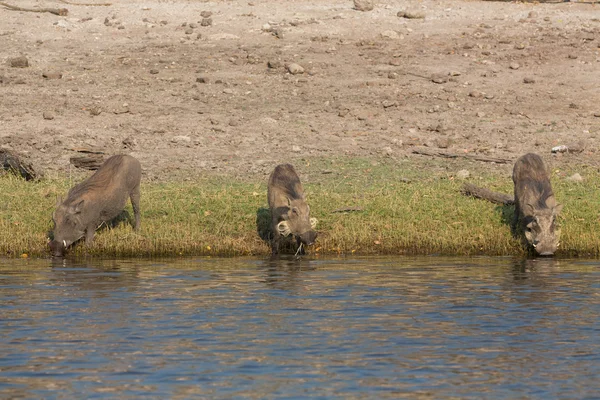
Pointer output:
397, 327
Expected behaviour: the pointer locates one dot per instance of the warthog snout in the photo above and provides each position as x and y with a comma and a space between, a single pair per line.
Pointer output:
57, 248
308, 238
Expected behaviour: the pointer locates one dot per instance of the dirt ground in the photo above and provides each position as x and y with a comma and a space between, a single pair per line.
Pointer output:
235, 87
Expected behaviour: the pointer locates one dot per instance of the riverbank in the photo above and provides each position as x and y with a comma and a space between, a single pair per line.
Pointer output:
393, 207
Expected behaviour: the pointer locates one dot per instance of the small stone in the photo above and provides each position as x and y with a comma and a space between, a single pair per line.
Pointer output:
414, 15
273, 64
388, 150
514, 65
296, 149
52, 75
401, 14
576, 177
295, 69
228, 91
390, 35
193, 25
439, 78
392, 75
463, 174
94, 111
363, 5
442, 143
475, 94
202, 79
48, 115
181, 139
154, 71
572, 56
597, 114
206, 22
520, 46
278, 32
19, 62
532, 14
528, 80
189, 31
206, 14
480, 114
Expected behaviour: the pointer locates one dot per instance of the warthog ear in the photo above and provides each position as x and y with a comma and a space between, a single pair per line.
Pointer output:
77, 207
557, 209
551, 202
313, 223
289, 202
283, 228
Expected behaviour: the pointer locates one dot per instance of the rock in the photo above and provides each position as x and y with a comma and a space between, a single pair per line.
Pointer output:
206, 22
528, 80
181, 139
19, 62
442, 143
597, 114
228, 91
273, 64
388, 150
94, 111
532, 14
278, 32
401, 14
390, 35
48, 115
414, 15
202, 79
154, 71
206, 14
193, 25
296, 149
295, 69
463, 174
575, 178
189, 31
480, 114
439, 78
514, 65
475, 94
363, 5
52, 75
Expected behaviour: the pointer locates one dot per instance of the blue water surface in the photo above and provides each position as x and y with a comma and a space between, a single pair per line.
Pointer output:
397, 327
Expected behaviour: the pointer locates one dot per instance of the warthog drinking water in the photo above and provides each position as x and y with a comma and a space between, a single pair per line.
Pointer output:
535, 205
290, 215
98, 199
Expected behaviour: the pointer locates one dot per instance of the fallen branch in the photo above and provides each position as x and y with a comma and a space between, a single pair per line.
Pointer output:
486, 194
85, 4
55, 11
348, 209
11, 162
446, 154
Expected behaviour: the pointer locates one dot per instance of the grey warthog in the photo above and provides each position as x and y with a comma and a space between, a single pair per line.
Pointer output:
290, 214
536, 208
98, 199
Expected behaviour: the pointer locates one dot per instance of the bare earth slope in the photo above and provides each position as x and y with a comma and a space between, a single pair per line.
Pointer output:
188, 94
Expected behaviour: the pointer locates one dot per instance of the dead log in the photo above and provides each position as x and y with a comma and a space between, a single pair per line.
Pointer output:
446, 154
12, 162
469, 189
55, 11
348, 209
92, 162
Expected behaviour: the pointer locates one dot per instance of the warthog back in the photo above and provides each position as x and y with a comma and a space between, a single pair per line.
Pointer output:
536, 208
290, 214
98, 199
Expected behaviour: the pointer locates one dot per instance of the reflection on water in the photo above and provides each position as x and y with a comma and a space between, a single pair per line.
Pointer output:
386, 327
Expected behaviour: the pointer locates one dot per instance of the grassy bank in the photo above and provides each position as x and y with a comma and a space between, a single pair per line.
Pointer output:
407, 208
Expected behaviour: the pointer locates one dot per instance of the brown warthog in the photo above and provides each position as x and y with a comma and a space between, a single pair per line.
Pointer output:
98, 199
535, 205
290, 215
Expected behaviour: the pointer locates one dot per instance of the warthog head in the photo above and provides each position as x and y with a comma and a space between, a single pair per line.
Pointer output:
541, 230
67, 227
297, 222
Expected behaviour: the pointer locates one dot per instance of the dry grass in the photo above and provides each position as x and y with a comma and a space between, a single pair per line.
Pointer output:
218, 215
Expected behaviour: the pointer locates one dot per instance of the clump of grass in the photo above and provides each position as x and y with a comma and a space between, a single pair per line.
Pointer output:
406, 209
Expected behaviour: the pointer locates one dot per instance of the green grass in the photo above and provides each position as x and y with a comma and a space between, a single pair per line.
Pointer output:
408, 208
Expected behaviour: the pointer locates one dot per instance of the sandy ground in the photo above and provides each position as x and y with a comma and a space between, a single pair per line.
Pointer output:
191, 87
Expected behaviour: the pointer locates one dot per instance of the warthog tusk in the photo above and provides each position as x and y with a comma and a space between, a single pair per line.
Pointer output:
313, 223
534, 245
65, 243
299, 249
283, 228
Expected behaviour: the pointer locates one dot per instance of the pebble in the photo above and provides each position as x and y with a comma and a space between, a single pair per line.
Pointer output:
48, 115
480, 114
202, 79
273, 64
296, 149
363, 5
154, 71
95, 111
439, 78
442, 143
390, 35
181, 139
514, 65
413, 15
206, 22
19, 62
576, 177
463, 174
205, 14
228, 91
189, 31
528, 80
295, 69
475, 94
52, 75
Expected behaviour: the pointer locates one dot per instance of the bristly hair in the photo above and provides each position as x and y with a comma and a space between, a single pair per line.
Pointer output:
285, 177
100, 179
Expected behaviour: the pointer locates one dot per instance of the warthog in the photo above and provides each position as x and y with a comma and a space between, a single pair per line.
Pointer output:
290, 214
98, 199
535, 205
